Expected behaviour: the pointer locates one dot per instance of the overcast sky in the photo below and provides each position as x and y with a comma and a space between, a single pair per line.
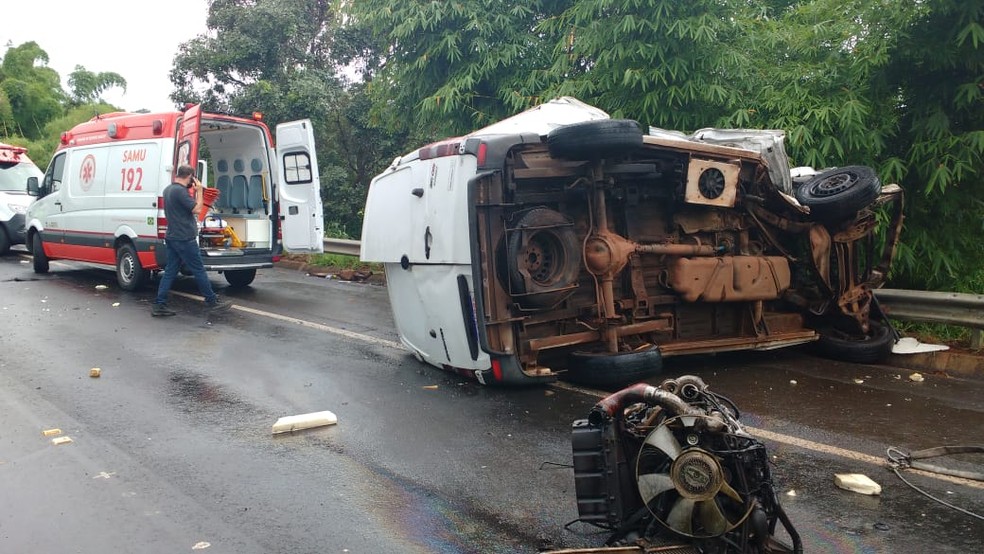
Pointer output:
135, 38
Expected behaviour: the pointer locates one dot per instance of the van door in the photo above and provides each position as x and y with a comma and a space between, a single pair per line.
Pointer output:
299, 188
189, 130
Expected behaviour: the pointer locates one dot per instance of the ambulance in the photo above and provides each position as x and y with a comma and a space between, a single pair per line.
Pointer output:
15, 169
100, 200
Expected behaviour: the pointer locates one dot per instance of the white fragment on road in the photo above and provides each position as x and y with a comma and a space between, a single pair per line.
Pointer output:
51, 432
792, 382
858, 381
104, 475
116, 304
201, 545
791, 493
101, 287
304, 421
910, 345
857, 482
95, 372
61, 440
917, 378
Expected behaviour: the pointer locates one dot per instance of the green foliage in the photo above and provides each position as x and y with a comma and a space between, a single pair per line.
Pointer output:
30, 92
87, 87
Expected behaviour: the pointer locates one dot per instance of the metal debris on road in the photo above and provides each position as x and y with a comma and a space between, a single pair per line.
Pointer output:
95, 372
429, 387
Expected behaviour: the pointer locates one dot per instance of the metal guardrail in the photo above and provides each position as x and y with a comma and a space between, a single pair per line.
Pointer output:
342, 246
950, 308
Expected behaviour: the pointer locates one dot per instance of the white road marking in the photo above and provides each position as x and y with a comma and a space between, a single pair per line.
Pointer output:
761, 433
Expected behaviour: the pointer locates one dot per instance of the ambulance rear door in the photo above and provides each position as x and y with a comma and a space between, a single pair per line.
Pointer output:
189, 130
299, 188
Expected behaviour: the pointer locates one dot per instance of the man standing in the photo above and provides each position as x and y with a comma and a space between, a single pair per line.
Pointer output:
181, 239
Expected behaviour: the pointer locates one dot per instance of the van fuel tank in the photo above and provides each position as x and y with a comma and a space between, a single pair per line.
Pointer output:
729, 278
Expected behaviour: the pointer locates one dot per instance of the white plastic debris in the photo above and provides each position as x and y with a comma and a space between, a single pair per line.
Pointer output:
917, 378
51, 432
911, 345
792, 382
857, 482
791, 493
116, 304
61, 440
858, 381
101, 287
304, 421
201, 545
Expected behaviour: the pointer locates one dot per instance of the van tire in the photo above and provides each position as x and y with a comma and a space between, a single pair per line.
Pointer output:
543, 268
240, 277
872, 348
129, 273
4, 241
37, 252
838, 194
595, 139
605, 369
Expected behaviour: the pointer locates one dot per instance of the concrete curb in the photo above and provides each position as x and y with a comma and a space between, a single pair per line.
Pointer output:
947, 361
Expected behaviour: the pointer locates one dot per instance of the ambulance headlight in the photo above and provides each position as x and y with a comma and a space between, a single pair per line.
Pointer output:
17, 208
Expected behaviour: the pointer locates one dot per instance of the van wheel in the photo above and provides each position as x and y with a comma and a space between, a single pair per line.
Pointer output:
129, 274
4, 242
871, 348
590, 140
543, 258
605, 369
37, 252
838, 194
240, 277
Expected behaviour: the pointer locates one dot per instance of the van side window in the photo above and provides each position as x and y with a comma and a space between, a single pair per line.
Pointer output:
297, 168
53, 178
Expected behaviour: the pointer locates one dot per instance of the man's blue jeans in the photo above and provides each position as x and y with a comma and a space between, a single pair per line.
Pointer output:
186, 251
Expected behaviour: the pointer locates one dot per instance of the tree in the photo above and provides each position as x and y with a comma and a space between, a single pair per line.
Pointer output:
87, 87
30, 89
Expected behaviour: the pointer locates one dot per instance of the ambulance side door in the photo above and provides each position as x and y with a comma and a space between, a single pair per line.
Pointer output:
189, 130
299, 188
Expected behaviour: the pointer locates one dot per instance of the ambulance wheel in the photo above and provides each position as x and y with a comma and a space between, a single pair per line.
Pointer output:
37, 252
4, 241
129, 274
240, 277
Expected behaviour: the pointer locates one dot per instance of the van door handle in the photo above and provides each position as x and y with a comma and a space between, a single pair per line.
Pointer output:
417, 192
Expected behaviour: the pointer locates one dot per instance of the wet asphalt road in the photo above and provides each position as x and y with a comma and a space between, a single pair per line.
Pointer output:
172, 447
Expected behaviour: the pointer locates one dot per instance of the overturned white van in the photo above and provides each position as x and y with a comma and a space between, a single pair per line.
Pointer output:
560, 242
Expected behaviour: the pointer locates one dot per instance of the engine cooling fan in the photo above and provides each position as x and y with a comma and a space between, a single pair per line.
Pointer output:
684, 486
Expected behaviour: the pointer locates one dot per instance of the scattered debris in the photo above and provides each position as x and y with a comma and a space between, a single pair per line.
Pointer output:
881, 526
791, 492
116, 304
792, 382
51, 432
101, 287
858, 381
353, 275
104, 475
61, 440
304, 421
909, 345
429, 387
857, 482
917, 378
548, 393
95, 372
201, 545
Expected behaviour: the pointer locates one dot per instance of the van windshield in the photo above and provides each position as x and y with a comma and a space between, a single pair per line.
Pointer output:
13, 176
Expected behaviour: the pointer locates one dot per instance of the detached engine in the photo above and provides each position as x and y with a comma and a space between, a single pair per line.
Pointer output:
671, 465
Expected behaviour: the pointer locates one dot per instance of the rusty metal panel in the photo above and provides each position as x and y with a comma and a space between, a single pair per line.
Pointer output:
729, 278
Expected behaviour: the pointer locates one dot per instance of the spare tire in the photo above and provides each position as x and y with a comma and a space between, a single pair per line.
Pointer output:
605, 369
840, 193
595, 139
543, 258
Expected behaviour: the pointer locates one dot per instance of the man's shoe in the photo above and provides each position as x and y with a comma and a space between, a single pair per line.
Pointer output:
162, 310
218, 307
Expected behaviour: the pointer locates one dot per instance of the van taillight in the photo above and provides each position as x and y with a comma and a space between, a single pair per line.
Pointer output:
482, 151
496, 369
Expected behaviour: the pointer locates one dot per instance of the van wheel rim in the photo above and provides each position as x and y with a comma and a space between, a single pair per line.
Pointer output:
126, 268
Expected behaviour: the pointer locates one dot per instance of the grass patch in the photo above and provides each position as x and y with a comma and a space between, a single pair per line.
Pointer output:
343, 261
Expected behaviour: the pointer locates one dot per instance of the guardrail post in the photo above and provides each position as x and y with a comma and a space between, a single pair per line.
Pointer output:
976, 339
